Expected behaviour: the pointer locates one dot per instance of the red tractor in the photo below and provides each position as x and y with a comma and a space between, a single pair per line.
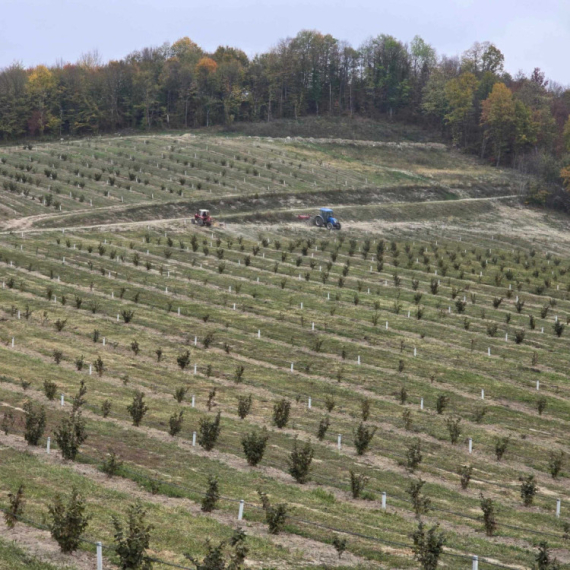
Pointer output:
202, 218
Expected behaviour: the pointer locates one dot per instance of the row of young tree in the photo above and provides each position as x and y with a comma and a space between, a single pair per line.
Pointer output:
471, 98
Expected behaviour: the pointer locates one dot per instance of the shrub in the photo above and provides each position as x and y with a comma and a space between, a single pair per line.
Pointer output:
489, 520
212, 495
558, 328
323, 428
541, 404
254, 444
519, 336
60, 325
414, 455
339, 545
50, 389
35, 422
138, 408
132, 541
106, 408
358, 482
407, 417
497, 301
330, 403
479, 413
362, 437
244, 406
111, 464
281, 413
7, 422
70, 435
465, 474
501, 445
183, 359
68, 522
215, 555
99, 366
428, 547
135, 347
211, 395
175, 423
238, 374
529, 489
555, 463
209, 432
519, 305
543, 558
403, 395
180, 393
275, 516
300, 461
127, 315
208, 339
420, 503
441, 403
492, 329
365, 409
454, 429
16, 508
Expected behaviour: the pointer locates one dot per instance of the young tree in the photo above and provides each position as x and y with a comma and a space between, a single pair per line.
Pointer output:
132, 540
138, 408
70, 435
209, 432
35, 422
300, 461
68, 522
254, 444
16, 508
428, 546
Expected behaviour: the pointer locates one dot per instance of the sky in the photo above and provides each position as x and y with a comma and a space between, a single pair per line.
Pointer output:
529, 33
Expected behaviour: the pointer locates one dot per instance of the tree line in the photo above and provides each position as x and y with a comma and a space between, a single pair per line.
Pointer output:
521, 120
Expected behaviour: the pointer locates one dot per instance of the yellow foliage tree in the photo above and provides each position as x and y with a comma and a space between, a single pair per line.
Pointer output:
459, 93
498, 116
42, 89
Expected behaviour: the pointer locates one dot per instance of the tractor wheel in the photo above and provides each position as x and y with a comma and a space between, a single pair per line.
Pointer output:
330, 226
338, 226
319, 222
193, 220
200, 221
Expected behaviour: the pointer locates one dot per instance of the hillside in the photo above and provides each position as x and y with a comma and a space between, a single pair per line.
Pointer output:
435, 320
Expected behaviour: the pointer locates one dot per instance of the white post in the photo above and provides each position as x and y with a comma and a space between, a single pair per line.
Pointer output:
117, 317
359, 359
309, 401
291, 367
90, 370
195, 368
339, 441
99, 556
301, 304
193, 401
195, 341
12, 342
62, 399
234, 306
178, 311
482, 394
506, 336
422, 404
386, 325
475, 563
470, 445
538, 384
558, 504
240, 512
383, 500
312, 324
104, 341
48, 445
415, 351
258, 333
489, 351
193, 439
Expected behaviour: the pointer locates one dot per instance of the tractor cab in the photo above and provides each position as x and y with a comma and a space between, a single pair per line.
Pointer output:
202, 218
327, 220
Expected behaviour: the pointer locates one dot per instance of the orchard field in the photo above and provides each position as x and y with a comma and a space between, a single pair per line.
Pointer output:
346, 386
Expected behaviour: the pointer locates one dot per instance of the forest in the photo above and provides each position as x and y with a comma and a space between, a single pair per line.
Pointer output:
469, 99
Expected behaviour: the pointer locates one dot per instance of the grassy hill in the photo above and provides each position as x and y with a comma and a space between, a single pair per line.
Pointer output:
435, 318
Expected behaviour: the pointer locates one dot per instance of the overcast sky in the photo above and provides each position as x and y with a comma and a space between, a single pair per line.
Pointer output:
530, 33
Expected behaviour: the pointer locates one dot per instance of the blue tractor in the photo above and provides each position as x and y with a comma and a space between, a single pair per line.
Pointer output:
325, 219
